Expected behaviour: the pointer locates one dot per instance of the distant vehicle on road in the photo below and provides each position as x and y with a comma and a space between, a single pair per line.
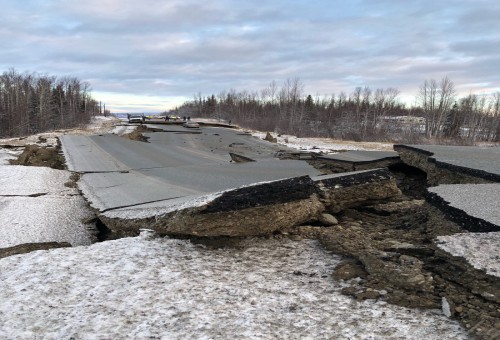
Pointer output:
190, 124
135, 118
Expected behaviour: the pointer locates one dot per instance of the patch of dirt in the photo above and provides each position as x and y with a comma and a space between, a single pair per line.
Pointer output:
73, 180
34, 155
137, 134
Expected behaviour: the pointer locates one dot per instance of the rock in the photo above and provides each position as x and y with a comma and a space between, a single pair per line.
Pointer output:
368, 294
328, 219
349, 270
406, 299
403, 272
349, 291
270, 138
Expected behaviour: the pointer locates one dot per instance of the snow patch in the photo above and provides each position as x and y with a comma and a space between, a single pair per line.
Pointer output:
36, 206
325, 145
45, 219
445, 307
481, 250
152, 288
6, 155
28, 180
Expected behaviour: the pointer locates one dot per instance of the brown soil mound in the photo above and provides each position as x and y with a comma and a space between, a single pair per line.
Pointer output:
144, 128
137, 133
34, 155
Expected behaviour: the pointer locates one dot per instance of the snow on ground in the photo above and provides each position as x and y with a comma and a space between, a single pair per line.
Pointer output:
481, 250
36, 206
325, 145
166, 288
6, 155
45, 219
24, 180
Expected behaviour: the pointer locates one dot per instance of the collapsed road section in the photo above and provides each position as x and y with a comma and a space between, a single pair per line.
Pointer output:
356, 160
446, 164
187, 184
400, 249
258, 209
464, 182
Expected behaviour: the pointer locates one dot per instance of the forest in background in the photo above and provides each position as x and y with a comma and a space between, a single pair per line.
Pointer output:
362, 115
31, 103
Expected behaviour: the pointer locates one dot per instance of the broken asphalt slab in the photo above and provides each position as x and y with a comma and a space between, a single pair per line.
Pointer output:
358, 160
465, 180
446, 164
256, 209
475, 207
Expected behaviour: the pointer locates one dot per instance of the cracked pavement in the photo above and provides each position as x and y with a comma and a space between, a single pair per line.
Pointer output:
175, 164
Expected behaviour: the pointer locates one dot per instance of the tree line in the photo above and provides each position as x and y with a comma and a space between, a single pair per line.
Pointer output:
32, 103
363, 114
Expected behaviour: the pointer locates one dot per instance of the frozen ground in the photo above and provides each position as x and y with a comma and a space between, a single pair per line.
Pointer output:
166, 288
481, 250
325, 145
36, 206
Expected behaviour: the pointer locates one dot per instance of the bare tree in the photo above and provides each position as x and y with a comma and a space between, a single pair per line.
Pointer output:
31, 103
436, 101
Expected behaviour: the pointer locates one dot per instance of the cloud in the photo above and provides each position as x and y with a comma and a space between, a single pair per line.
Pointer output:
173, 49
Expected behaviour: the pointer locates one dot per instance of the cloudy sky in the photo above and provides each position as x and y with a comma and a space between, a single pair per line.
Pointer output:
148, 55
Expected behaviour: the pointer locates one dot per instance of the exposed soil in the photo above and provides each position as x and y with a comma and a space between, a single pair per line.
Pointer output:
392, 257
35, 155
137, 134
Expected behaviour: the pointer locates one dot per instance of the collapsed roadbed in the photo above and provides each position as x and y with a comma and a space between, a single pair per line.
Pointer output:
397, 247
445, 164
258, 209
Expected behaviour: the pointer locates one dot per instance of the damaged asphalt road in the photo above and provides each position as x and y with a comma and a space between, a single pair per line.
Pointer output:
186, 183
175, 168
